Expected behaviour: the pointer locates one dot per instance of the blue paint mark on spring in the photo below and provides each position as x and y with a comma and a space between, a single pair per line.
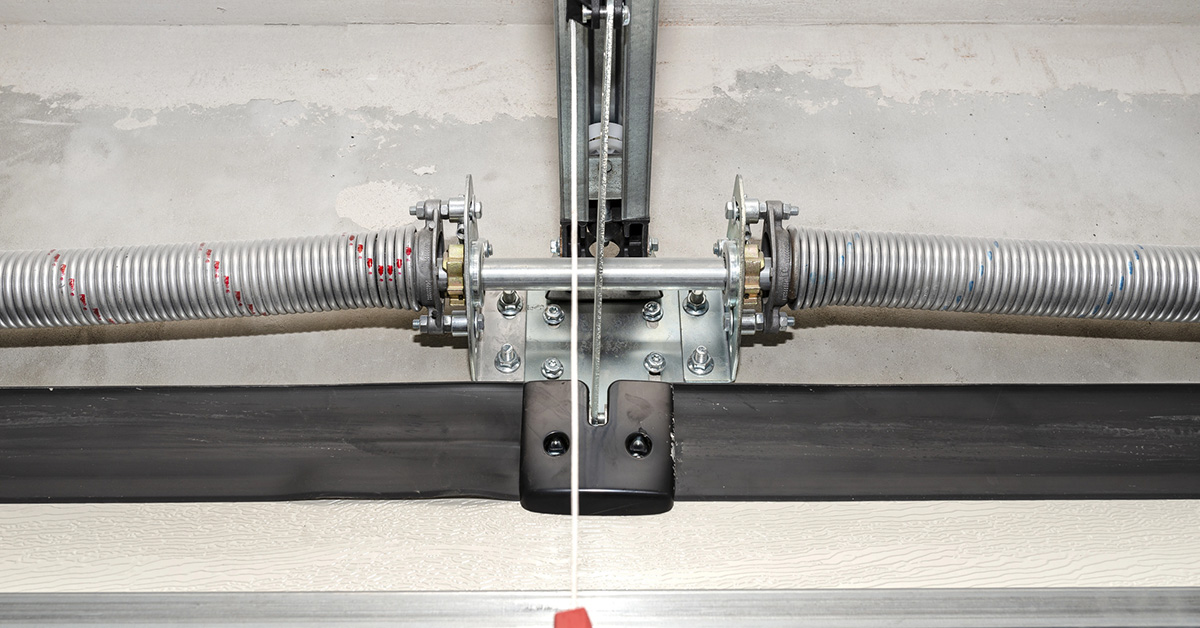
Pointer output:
989, 255
1096, 310
843, 259
1122, 286
971, 286
849, 245
958, 299
981, 270
1137, 255
1110, 296
1130, 268
996, 243
1141, 247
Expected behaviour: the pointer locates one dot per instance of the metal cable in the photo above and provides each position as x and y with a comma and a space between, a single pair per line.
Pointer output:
1020, 277
140, 284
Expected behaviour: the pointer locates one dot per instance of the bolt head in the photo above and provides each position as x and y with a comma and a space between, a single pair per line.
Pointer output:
652, 311
655, 363
554, 315
555, 247
638, 445
556, 444
477, 209
487, 249
730, 210
552, 368
653, 247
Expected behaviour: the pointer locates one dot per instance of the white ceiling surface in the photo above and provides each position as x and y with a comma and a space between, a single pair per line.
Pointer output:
694, 12
145, 112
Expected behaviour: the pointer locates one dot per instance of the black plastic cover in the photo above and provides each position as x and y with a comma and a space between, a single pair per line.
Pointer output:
625, 466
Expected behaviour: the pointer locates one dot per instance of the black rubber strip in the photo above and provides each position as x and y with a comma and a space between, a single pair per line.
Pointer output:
261, 443
733, 442
747, 442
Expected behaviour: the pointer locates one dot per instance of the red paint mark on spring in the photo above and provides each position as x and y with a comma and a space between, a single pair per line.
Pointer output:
351, 238
96, 313
226, 284
217, 265
391, 269
51, 253
208, 256
83, 300
237, 296
370, 262
62, 271
56, 257
399, 264
112, 321
408, 251
251, 308
72, 283
360, 248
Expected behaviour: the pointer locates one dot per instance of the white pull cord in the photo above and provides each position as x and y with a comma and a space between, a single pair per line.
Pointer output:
574, 444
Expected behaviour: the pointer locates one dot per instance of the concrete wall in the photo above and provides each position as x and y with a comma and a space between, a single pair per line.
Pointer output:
694, 12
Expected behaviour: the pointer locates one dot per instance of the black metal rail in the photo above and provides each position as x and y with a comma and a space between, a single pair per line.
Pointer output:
733, 442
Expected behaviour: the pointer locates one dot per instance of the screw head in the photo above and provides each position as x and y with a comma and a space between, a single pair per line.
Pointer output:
509, 303
652, 311
556, 444
700, 362
696, 303
655, 363
507, 359
554, 315
552, 368
638, 444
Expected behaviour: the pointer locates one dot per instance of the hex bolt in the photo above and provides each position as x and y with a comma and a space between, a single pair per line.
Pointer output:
789, 211
730, 210
487, 249
477, 210
786, 321
652, 311
638, 445
507, 359
696, 303
552, 368
556, 444
700, 362
509, 303
554, 315
416, 324
655, 362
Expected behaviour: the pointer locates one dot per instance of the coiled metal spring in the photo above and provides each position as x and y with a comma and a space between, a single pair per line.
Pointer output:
207, 280
1021, 277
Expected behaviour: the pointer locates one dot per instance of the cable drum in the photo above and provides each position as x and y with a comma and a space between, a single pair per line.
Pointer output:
1019, 277
140, 284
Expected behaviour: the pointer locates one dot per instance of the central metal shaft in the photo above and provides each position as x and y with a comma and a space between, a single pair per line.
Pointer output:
620, 273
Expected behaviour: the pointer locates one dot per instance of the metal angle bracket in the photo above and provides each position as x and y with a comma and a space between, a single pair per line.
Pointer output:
625, 465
